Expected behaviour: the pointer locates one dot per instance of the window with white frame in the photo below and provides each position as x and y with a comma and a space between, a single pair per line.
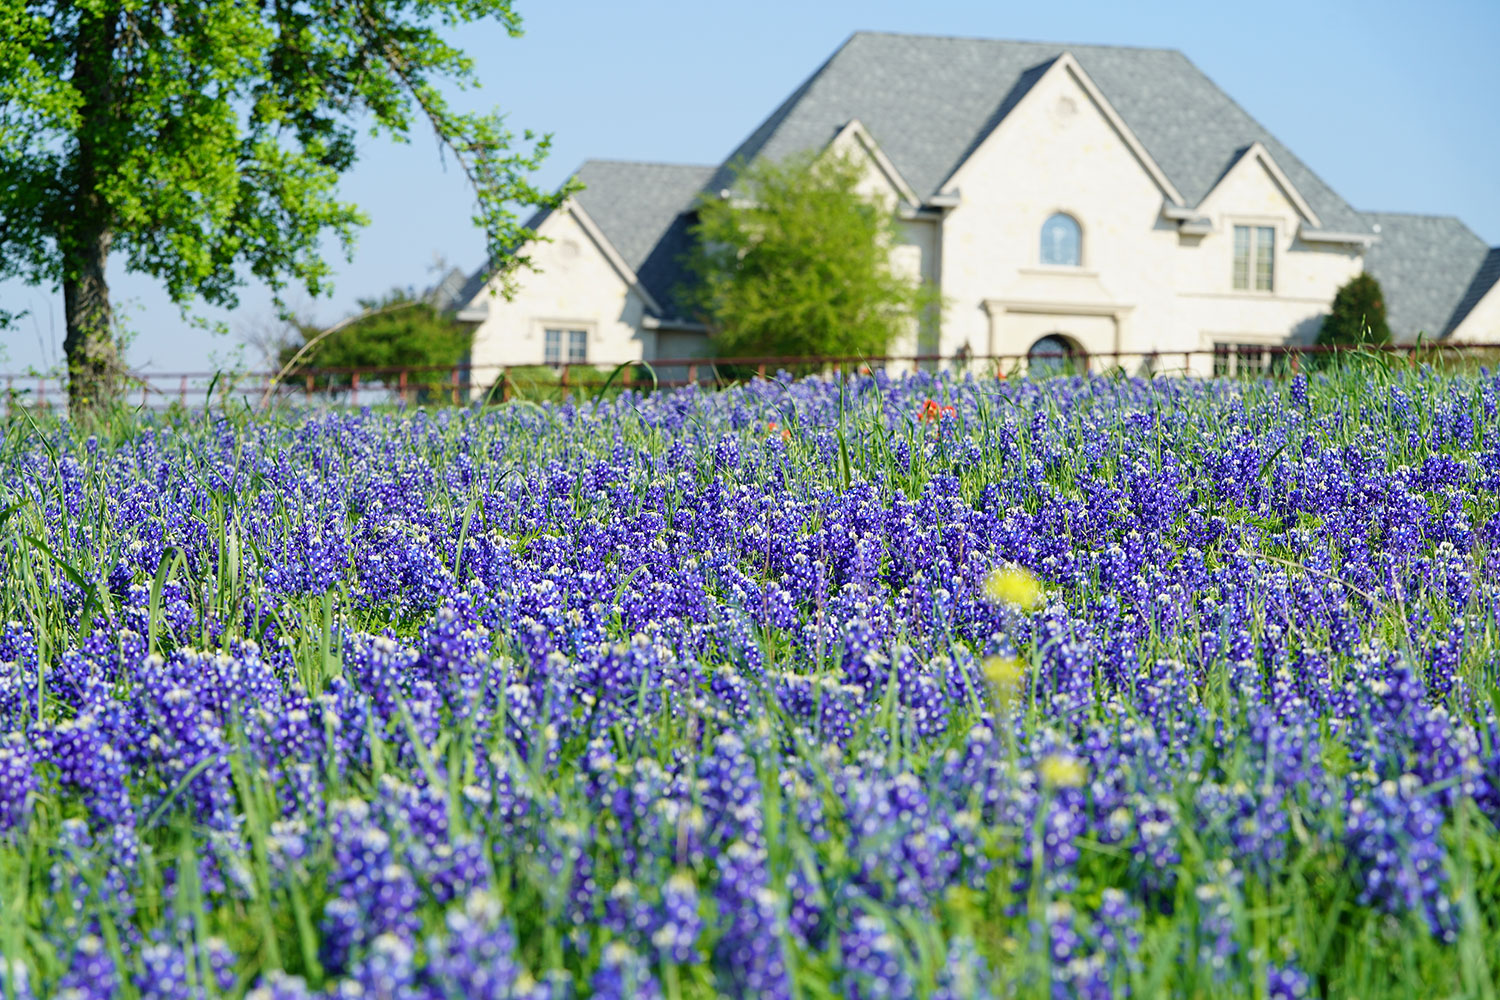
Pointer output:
565, 345
1254, 258
1062, 241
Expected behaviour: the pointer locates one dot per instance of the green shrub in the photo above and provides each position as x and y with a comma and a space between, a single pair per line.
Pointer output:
1358, 315
798, 264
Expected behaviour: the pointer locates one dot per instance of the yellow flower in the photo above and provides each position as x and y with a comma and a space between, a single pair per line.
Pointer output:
1004, 674
1013, 585
1060, 770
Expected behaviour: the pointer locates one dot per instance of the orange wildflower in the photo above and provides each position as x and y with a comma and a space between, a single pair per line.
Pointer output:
933, 411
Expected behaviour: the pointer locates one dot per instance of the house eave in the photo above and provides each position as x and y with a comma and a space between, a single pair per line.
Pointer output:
672, 324
1307, 235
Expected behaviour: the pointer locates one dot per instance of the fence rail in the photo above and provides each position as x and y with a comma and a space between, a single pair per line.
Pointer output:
464, 383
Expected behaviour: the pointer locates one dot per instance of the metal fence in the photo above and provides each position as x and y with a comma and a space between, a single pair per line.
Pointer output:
497, 383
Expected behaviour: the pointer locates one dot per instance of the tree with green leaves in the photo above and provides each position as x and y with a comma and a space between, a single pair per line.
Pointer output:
798, 263
1357, 316
397, 330
203, 143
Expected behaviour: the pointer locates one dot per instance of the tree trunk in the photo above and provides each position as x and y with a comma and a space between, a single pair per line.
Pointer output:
93, 355
92, 352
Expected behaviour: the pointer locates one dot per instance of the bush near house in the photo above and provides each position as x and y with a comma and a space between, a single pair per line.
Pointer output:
798, 263
1358, 315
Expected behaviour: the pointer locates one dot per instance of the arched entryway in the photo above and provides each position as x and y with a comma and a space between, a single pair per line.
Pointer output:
1055, 354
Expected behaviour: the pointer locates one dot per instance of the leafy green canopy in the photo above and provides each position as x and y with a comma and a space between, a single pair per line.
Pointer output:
800, 265
1357, 315
396, 331
204, 141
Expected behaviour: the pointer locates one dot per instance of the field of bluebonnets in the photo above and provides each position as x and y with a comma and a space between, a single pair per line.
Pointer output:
933, 687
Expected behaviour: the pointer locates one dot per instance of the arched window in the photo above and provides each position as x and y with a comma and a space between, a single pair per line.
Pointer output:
1062, 241
1053, 354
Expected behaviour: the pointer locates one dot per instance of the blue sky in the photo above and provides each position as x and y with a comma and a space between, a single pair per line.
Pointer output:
1392, 103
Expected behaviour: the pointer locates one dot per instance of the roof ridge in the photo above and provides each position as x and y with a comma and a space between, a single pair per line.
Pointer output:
1415, 215
763, 132
643, 163
1027, 80
1432, 217
1266, 136
1013, 41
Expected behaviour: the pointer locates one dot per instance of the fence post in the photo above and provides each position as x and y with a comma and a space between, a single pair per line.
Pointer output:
563, 381
455, 387
182, 392
692, 374
505, 385
760, 369
41, 392
309, 385
354, 389
401, 386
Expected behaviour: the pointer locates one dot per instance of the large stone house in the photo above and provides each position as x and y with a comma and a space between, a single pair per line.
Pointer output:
1087, 198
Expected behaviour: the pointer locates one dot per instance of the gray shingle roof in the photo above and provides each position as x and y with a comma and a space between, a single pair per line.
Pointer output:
444, 294
1484, 279
636, 203
929, 100
1425, 265
642, 209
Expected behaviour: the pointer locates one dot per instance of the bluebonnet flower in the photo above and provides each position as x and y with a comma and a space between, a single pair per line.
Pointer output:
15, 980
90, 970
965, 974
749, 948
18, 782
873, 961
278, 985
624, 975
475, 958
1286, 982
1394, 838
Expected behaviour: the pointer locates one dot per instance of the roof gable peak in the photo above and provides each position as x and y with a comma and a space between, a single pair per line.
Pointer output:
1027, 84
1257, 152
855, 132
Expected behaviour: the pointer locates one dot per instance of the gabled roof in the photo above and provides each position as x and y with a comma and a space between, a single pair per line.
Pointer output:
635, 203
643, 210
929, 100
444, 293
1427, 265
1257, 151
1485, 278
